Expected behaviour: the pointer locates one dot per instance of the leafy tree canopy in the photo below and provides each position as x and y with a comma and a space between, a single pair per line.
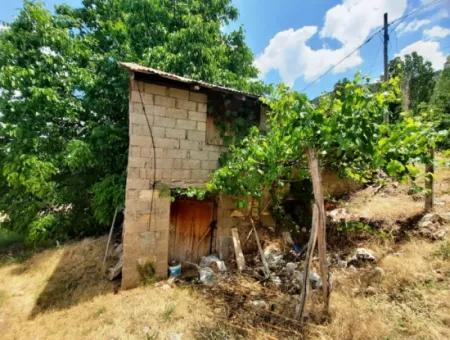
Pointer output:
64, 105
417, 76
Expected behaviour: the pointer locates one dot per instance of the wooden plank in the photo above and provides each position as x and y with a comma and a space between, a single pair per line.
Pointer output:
109, 240
313, 163
240, 260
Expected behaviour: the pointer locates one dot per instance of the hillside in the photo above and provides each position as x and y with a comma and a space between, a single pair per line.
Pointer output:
59, 293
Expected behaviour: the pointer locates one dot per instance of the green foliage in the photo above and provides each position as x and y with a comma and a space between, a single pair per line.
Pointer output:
417, 77
107, 195
64, 100
440, 101
347, 129
443, 251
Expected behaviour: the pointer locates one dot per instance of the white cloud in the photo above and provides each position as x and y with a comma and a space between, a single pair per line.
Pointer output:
3, 27
437, 32
353, 20
411, 26
350, 23
429, 50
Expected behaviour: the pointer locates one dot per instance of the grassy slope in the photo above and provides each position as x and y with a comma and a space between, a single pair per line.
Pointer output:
58, 293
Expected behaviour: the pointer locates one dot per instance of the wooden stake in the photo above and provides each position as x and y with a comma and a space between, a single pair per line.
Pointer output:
429, 173
109, 241
240, 260
313, 163
299, 309
261, 253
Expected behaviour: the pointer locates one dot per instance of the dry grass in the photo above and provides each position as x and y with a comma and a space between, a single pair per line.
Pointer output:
412, 300
59, 294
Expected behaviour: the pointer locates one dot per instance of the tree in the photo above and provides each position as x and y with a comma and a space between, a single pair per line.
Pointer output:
440, 100
64, 105
418, 79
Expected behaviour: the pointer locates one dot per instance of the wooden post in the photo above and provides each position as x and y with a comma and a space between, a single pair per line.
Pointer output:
240, 260
429, 174
308, 259
313, 163
109, 240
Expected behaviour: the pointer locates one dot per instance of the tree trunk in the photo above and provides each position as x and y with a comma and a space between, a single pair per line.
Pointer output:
313, 163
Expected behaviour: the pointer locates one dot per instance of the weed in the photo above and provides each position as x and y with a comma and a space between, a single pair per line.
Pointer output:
443, 251
151, 336
168, 312
147, 273
99, 312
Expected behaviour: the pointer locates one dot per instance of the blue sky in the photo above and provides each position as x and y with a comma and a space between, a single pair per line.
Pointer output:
296, 41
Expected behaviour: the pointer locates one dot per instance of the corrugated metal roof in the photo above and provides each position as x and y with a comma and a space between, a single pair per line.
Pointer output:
170, 76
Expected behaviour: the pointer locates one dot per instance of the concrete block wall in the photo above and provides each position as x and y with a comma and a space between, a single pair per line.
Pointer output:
167, 147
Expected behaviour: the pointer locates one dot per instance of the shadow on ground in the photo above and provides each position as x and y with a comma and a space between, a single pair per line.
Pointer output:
76, 278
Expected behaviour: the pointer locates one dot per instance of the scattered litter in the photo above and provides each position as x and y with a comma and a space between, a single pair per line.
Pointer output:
207, 276
290, 267
276, 280
214, 262
274, 257
315, 280
175, 269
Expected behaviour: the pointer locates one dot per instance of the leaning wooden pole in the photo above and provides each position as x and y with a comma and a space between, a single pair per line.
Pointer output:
299, 309
313, 163
429, 177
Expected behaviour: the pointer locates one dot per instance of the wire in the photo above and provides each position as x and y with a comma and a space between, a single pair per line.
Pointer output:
152, 139
394, 22
413, 12
342, 60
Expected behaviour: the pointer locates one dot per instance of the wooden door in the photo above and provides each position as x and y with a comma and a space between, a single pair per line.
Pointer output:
190, 229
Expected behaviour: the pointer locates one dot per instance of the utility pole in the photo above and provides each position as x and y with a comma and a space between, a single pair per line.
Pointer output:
385, 45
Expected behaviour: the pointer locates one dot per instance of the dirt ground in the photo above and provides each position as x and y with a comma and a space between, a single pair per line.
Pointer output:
59, 293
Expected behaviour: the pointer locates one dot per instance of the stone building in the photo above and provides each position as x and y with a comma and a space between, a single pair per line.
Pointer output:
174, 143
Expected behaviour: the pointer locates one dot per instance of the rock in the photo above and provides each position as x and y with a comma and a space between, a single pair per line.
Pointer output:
446, 217
352, 268
431, 226
214, 262
314, 279
428, 219
370, 291
290, 268
361, 256
340, 215
260, 304
175, 336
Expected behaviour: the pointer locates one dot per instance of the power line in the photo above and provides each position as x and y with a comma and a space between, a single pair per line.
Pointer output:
413, 12
394, 22
342, 60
